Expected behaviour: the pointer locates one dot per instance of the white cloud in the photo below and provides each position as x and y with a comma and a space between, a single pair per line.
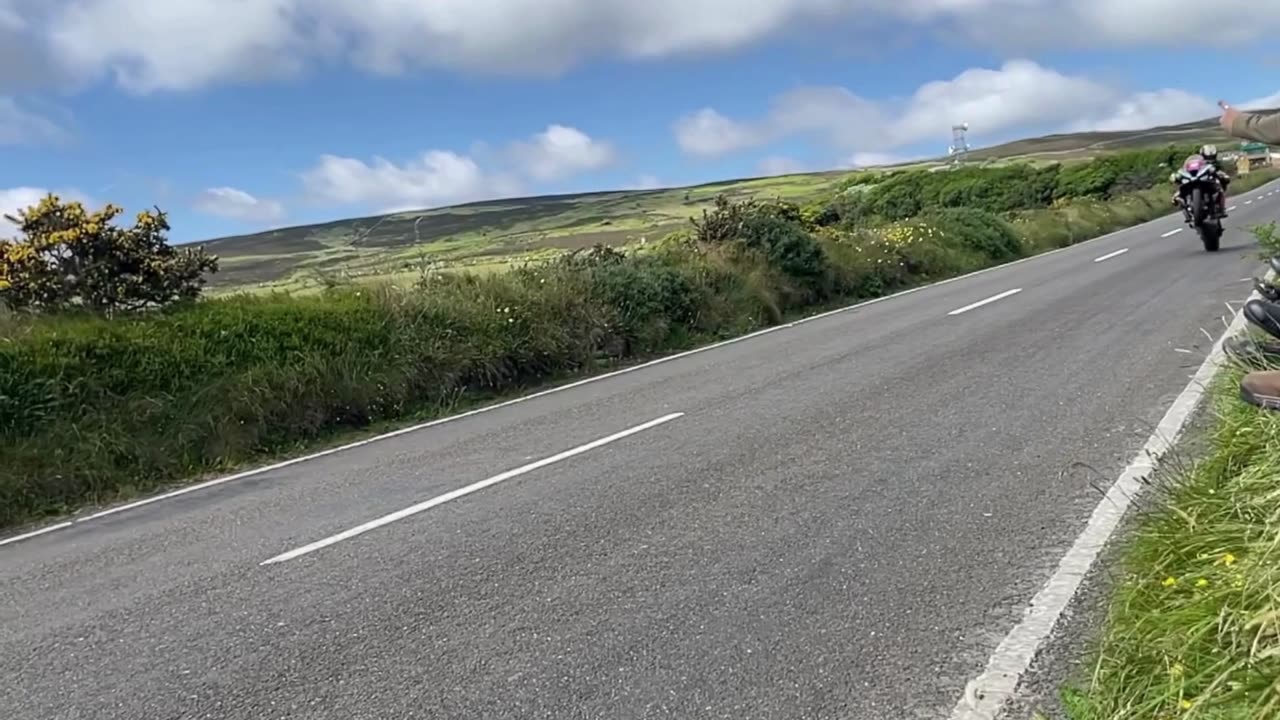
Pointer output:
875, 159
560, 151
1153, 109
1267, 102
646, 182
443, 177
780, 165
1020, 96
234, 204
436, 178
149, 45
21, 198
708, 133
19, 126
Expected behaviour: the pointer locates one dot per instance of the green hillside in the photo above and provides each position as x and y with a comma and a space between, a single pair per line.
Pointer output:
490, 235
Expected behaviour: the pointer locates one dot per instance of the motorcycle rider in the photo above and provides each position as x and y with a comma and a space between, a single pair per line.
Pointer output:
1209, 154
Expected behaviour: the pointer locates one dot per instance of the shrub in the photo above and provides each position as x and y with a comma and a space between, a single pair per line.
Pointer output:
68, 257
1000, 189
979, 231
776, 230
649, 297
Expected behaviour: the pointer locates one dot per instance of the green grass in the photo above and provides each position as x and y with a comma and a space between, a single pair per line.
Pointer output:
377, 247
1194, 628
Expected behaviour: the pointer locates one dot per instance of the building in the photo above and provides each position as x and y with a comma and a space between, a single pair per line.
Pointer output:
1252, 156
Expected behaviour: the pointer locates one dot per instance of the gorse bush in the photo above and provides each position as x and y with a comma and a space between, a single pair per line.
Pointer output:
777, 230
67, 257
92, 407
979, 231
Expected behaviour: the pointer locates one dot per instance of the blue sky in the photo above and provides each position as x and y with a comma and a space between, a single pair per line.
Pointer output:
239, 115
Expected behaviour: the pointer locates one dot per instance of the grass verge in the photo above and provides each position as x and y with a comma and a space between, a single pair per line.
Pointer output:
94, 409
1194, 627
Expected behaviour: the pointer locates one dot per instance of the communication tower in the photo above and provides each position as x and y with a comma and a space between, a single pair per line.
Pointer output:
959, 149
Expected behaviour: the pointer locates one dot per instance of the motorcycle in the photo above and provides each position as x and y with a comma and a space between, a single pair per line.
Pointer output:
1199, 195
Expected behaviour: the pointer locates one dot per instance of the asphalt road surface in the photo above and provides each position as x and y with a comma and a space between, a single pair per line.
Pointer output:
839, 519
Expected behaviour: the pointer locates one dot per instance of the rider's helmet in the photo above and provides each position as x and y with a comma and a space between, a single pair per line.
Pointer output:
1210, 153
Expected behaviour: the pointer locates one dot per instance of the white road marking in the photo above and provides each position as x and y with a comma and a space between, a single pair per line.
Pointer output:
1248, 202
1108, 256
1233, 207
988, 301
1172, 232
985, 696
455, 494
34, 533
561, 388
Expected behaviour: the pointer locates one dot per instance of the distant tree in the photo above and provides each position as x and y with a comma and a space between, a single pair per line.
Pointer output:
65, 256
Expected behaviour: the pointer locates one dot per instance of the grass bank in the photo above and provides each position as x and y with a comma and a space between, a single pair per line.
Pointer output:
1194, 628
92, 409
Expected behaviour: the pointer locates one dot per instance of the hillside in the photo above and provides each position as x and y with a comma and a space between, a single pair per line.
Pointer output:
489, 235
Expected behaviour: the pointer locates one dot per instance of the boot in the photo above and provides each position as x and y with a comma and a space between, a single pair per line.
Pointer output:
1261, 389
1267, 290
1264, 315
1253, 353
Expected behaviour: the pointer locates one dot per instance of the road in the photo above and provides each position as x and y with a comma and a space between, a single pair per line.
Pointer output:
838, 519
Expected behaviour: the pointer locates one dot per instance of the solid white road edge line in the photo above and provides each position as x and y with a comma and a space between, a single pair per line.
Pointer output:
1110, 255
988, 301
568, 386
1174, 231
474, 487
985, 696
35, 533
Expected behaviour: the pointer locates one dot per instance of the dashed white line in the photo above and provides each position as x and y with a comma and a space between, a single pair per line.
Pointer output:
1108, 256
985, 696
1175, 231
988, 301
1233, 207
1248, 202
455, 494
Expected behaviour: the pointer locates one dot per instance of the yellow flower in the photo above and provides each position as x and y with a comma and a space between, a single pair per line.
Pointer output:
1186, 704
1202, 583
1228, 560
1170, 581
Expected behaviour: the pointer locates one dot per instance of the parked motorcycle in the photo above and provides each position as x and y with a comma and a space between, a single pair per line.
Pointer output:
1199, 194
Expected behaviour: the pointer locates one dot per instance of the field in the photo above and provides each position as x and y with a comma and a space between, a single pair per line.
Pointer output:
492, 236
478, 236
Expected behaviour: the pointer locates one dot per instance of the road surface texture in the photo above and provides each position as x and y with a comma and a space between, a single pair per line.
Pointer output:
838, 519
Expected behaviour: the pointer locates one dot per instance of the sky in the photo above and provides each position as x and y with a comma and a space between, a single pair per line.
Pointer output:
236, 116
